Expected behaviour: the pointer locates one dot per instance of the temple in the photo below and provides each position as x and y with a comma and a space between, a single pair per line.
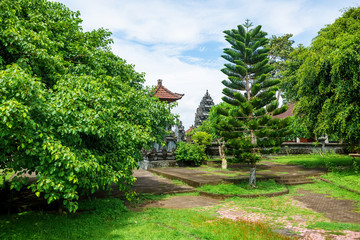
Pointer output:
202, 112
163, 156
165, 94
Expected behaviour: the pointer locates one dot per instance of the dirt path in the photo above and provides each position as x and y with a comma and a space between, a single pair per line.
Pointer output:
338, 210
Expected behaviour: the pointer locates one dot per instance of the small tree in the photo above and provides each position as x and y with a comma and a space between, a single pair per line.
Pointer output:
190, 152
202, 138
252, 130
214, 125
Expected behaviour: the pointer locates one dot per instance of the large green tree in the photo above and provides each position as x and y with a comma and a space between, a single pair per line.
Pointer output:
252, 129
291, 65
70, 110
328, 82
280, 49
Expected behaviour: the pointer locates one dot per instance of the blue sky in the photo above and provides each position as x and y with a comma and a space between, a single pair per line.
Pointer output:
181, 42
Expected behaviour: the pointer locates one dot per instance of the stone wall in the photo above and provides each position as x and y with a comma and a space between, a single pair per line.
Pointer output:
306, 148
295, 148
146, 164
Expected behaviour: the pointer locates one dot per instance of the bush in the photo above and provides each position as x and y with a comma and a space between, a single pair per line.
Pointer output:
188, 152
202, 138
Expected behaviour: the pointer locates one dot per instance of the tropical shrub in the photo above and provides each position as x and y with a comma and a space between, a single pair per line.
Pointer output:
190, 153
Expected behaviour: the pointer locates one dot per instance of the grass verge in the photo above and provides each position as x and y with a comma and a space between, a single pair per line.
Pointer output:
335, 226
347, 179
243, 188
316, 160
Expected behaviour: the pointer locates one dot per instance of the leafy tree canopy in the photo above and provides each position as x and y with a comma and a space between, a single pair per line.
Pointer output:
280, 49
70, 110
328, 83
291, 65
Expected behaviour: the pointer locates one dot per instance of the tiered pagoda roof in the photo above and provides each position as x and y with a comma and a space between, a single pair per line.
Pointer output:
165, 94
202, 112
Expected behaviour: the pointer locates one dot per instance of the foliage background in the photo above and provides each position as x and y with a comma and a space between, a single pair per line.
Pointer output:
324, 80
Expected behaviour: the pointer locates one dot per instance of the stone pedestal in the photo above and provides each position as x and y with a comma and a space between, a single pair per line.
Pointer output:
160, 156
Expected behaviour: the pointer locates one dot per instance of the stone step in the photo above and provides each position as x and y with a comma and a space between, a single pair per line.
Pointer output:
294, 181
197, 180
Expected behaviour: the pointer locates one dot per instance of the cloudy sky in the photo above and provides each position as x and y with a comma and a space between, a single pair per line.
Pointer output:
181, 41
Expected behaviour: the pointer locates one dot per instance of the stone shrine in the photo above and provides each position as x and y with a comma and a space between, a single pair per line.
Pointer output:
163, 156
202, 112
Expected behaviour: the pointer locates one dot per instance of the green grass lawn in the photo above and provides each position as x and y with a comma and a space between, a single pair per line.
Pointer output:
335, 226
243, 188
343, 170
315, 160
109, 219
347, 179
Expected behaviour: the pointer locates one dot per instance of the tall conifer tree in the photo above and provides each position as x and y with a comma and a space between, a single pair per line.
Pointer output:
252, 129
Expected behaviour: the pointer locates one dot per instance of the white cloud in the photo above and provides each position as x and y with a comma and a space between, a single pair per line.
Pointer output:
154, 35
181, 77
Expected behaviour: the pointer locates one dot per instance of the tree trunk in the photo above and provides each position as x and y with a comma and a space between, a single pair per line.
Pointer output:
278, 96
252, 180
222, 154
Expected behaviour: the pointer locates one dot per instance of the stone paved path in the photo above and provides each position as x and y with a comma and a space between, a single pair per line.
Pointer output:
334, 209
200, 176
337, 210
148, 182
189, 176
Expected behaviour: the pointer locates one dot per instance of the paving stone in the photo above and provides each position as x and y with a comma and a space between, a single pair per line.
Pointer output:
147, 182
338, 210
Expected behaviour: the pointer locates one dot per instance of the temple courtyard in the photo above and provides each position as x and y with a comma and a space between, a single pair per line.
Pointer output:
312, 207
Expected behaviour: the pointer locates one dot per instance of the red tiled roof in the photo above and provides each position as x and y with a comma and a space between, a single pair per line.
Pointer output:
165, 94
287, 113
190, 129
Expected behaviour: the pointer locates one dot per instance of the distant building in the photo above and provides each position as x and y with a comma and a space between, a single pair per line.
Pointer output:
202, 112
289, 113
